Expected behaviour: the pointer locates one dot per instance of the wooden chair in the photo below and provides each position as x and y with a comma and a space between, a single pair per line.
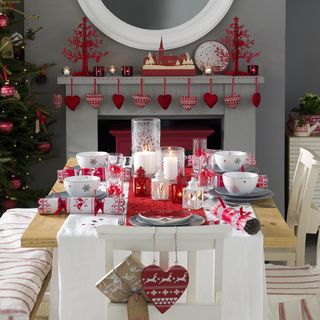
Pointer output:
302, 216
190, 239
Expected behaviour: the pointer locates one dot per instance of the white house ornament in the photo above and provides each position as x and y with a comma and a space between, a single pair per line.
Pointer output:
192, 195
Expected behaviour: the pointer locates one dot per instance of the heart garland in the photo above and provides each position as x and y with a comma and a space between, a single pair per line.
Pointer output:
94, 100
118, 98
188, 102
233, 100
141, 100
164, 288
209, 98
165, 99
256, 97
72, 101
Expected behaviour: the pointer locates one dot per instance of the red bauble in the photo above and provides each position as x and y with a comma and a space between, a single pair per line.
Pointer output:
8, 90
4, 21
44, 147
9, 204
6, 126
15, 182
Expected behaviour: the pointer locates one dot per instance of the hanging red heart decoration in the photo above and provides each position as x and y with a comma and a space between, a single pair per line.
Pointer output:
94, 100
72, 101
165, 99
232, 101
118, 98
256, 97
209, 98
141, 100
188, 102
164, 288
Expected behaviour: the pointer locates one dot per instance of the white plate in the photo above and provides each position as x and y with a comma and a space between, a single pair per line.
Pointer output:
205, 55
165, 218
257, 192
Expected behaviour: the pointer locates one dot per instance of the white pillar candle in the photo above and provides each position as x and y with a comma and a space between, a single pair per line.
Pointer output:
170, 167
148, 160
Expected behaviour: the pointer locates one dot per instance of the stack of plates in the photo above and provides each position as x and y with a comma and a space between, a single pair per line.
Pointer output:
63, 195
247, 168
255, 195
167, 219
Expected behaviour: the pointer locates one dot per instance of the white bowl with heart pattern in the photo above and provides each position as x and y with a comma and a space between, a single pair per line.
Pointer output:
81, 186
92, 159
230, 160
240, 183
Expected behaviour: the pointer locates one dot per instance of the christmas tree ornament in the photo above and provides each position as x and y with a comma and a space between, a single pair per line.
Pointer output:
233, 100
118, 98
165, 99
41, 120
44, 147
256, 97
192, 195
94, 100
7, 48
159, 187
238, 43
164, 288
72, 101
7, 90
15, 182
4, 20
9, 204
6, 126
17, 39
31, 34
57, 100
188, 102
209, 98
141, 100
85, 44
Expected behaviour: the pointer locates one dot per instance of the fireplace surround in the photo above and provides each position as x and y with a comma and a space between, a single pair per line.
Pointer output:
238, 126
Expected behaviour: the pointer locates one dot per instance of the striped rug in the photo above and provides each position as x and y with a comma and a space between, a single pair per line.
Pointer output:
293, 292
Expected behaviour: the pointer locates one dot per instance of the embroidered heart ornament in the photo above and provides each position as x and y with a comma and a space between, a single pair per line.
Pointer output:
164, 101
118, 100
210, 99
72, 102
164, 288
256, 99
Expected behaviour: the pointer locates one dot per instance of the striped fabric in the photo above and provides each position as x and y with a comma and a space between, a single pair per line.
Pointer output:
293, 292
22, 270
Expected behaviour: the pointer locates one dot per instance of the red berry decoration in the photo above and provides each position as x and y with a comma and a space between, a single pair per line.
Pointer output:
8, 90
15, 182
44, 147
4, 21
6, 126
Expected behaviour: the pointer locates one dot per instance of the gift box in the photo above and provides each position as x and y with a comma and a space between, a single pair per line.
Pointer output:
122, 281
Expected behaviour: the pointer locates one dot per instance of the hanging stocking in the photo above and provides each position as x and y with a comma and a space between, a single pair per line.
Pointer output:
233, 100
164, 288
165, 99
209, 98
256, 97
140, 99
94, 99
118, 98
71, 101
188, 102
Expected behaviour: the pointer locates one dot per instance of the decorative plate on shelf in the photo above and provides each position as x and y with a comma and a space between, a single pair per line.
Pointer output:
206, 55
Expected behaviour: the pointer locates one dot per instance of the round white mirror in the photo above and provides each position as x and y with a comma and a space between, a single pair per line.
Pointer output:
141, 23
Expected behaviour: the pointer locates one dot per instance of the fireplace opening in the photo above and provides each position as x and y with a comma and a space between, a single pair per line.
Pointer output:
114, 135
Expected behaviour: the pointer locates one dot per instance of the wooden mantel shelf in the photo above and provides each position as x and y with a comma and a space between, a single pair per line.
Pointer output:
159, 80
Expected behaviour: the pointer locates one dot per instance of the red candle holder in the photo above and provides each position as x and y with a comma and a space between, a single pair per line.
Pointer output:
176, 193
141, 184
98, 71
127, 71
253, 69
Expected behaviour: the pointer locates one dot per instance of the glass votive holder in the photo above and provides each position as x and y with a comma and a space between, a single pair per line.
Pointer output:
98, 71
207, 70
112, 70
127, 71
206, 176
145, 135
115, 165
253, 69
127, 169
199, 152
66, 71
172, 162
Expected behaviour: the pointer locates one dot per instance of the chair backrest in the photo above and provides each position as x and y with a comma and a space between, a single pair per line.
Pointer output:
303, 186
190, 239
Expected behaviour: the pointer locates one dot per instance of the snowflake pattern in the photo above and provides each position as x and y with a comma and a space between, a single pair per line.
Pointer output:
237, 160
93, 161
86, 188
235, 188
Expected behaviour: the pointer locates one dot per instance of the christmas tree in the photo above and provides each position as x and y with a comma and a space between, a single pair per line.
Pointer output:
24, 139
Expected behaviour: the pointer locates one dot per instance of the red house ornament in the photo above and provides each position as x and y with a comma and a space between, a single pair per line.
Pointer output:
141, 183
85, 44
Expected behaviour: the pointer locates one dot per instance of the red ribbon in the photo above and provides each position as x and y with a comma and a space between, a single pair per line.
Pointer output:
98, 205
61, 206
115, 169
114, 190
41, 117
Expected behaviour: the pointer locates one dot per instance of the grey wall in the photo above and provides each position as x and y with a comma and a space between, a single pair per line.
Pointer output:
264, 19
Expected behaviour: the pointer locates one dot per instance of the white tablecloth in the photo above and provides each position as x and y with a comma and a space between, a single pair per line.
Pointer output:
81, 265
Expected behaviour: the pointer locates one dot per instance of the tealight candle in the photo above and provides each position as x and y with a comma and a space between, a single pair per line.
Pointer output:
208, 70
98, 71
127, 71
148, 160
112, 70
253, 69
172, 162
66, 71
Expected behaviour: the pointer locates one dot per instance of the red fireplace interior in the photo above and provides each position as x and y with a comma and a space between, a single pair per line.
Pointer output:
115, 135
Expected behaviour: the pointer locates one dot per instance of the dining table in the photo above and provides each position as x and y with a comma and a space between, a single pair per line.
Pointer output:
79, 261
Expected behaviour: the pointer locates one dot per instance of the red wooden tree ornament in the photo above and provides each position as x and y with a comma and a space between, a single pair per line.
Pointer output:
85, 44
238, 43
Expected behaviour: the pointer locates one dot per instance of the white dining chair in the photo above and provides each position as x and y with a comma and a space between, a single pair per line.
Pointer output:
189, 239
302, 215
